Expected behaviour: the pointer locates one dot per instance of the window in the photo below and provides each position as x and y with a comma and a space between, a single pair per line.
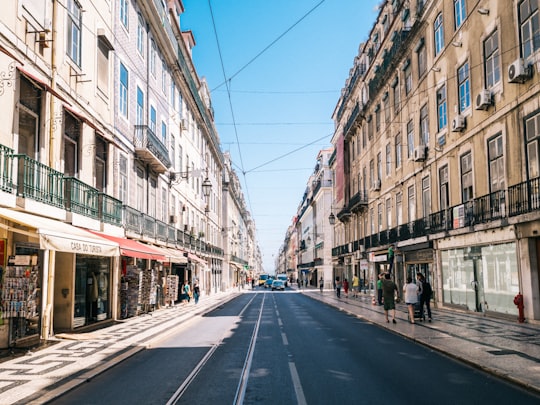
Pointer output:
124, 13
140, 107
532, 135
140, 36
397, 101
72, 134
101, 164
380, 217
399, 208
398, 150
408, 81
496, 163
164, 205
412, 203
466, 177
152, 197
388, 159
464, 88
386, 107
438, 34
372, 173
172, 152
164, 78
153, 123
124, 86
29, 118
378, 118
140, 190
180, 161
444, 189
426, 197
74, 31
388, 213
372, 220
173, 96
491, 60
153, 58
441, 108
123, 183
460, 12
422, 58
410, 139
103, 49
529, 27
163, 133
379, 166
424, 126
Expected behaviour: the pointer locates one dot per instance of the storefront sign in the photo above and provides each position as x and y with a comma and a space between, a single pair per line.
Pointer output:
84, 247
364, 265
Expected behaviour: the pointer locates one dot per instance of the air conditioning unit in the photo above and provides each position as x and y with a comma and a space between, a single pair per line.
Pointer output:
483, 100
458, 123
377, 185
420, 153
173, 219
519, 71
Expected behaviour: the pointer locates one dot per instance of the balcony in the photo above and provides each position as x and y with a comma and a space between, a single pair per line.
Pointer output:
110, 209
150, 149
132, 220
6, 169
39, 182
161, 231
524, 197
149, 226
80, 198
344, 214
359, 201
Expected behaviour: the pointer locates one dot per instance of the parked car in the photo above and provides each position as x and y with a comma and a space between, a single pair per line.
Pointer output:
268, 283
278, 285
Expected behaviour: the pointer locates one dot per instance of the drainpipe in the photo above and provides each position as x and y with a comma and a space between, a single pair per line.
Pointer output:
52, 157
49, 256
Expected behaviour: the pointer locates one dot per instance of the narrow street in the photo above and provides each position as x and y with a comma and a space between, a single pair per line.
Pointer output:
286, 348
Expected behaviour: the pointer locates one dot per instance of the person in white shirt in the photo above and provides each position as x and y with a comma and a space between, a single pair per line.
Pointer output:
410, 292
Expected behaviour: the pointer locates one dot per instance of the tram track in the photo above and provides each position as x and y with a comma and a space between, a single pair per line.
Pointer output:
244, 376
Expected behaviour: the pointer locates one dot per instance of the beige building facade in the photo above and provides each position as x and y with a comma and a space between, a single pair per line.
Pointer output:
436, 152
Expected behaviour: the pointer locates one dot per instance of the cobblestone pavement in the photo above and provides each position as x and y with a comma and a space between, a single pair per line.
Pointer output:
43, 374
502, 347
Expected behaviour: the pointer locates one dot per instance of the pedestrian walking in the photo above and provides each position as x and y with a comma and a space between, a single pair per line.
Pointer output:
379, 289
298, 283
410, 292
355, 285
389, 289
187, 291
338, 287
425, 296
197, 292
321, 284
346, 288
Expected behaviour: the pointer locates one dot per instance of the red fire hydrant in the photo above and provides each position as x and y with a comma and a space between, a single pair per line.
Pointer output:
518, 301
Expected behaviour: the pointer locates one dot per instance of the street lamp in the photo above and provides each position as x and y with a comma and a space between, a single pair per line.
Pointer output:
206, 187
332, 218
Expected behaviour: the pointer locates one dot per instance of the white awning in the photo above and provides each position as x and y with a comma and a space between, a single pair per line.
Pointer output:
59, 236
172, 255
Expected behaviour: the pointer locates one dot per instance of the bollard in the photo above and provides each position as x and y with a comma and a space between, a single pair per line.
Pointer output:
518, 301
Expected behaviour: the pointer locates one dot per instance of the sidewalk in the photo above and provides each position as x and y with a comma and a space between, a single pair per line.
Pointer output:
507, 349
74, 358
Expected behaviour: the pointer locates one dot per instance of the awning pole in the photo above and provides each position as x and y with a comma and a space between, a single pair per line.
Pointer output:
47, 293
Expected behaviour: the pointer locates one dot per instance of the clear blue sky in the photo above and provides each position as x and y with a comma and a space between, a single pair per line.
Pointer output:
286, 62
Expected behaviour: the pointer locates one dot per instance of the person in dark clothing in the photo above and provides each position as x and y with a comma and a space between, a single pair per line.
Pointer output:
425, 296
389, 290
338, 287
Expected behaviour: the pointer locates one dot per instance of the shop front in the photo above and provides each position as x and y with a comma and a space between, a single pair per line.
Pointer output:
38, 287
141, 267
480, 272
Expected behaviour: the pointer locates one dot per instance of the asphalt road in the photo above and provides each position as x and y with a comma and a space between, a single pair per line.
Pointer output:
284, 348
